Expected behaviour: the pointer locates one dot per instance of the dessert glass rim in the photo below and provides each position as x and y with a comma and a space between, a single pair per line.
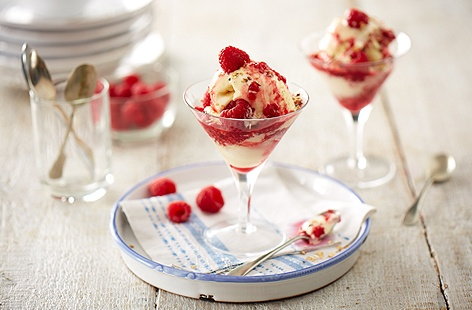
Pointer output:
188, 101
95, 96
401, 38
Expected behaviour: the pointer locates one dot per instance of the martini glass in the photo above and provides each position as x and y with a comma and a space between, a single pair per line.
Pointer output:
245, 145
355, 86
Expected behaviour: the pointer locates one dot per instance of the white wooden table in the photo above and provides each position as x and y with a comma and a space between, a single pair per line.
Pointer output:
57, 256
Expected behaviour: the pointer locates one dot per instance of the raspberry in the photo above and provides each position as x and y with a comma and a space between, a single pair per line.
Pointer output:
239, 108
131, 79
178, 211
356, 18
358, 57
161, 187
140, 88
264, 68
210, 199
318, 231
254, 87
271, 110
387, 37
156, 107
206, 100
252, 90
111, 90
232, 58
122, 90
134, 113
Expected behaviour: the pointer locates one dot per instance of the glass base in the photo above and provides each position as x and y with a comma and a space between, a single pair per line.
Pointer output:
373, 172
259, 237
89, 193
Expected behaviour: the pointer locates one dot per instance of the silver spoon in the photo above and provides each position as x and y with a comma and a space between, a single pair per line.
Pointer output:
440, 170
38, 80
307, 232
25, 65
80, 84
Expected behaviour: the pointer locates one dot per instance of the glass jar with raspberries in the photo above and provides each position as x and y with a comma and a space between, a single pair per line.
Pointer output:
141, 104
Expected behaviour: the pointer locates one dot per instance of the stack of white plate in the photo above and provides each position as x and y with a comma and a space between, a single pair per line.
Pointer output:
67, 33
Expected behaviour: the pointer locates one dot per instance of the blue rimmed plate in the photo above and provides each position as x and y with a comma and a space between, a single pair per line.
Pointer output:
236, 288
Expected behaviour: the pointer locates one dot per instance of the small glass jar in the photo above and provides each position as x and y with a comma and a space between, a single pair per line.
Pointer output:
73, 143
142, 103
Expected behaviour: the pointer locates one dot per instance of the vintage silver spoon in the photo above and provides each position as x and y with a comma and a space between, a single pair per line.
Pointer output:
440, 170
80, 84
25, 57
39, 80
36, 73
307, 232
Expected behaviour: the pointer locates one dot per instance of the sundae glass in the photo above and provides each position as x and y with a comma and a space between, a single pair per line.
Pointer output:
245, 109
355, 57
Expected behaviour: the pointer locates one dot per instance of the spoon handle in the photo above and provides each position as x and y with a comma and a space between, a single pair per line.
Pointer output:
245, 268
58, 166
87, 150
411, 215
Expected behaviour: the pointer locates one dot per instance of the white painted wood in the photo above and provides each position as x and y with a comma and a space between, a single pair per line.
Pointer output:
430, 105
56, 256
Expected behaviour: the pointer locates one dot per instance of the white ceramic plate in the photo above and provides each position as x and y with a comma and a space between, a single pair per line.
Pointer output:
65, 37
147, 50
80, 49
68, 14
235, 288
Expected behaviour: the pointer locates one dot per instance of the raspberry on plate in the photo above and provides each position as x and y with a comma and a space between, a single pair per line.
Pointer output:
161, 187
210, 199
232, 58
178, 211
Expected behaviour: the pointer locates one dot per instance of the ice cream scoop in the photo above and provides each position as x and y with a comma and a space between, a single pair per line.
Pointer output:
312, 230
243, 88
356, 38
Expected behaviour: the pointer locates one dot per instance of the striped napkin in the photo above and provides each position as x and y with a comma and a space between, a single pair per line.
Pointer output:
277, 199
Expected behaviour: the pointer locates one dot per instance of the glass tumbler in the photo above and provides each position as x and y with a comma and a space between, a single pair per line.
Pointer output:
72, 143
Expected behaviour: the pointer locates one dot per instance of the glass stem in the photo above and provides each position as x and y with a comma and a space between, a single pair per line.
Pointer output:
356, 123
245, 185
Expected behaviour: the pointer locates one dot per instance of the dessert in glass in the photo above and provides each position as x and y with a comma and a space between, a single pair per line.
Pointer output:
245, 109
355, 56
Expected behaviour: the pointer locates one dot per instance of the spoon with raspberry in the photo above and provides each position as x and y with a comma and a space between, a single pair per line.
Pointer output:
312, 231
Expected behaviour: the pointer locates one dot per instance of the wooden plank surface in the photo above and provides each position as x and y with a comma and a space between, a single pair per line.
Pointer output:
56, 256
430, 102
